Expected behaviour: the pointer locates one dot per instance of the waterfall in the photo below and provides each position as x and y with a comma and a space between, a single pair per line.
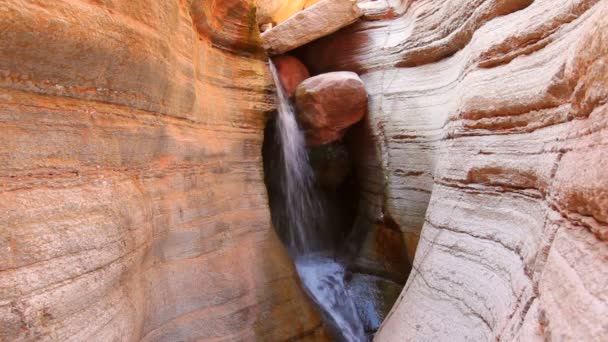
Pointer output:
297, 178
322, 276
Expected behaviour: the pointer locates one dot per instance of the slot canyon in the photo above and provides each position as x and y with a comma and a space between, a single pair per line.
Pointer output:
303, 170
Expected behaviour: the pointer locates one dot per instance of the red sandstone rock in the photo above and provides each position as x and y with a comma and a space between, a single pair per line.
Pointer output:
124, 214
291, 71
112, 162
327, 104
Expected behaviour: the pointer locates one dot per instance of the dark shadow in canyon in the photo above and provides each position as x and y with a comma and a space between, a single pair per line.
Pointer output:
350, 183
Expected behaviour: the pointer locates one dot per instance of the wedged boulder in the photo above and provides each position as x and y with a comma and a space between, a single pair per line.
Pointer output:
328, 104
319, 20
291, 72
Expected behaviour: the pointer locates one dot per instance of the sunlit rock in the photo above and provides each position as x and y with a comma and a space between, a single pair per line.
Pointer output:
319, 20
132, 204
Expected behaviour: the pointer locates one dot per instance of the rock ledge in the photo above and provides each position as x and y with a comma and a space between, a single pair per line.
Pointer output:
319, 20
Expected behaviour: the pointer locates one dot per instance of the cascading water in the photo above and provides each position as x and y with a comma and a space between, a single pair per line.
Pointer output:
321, 275
297, 179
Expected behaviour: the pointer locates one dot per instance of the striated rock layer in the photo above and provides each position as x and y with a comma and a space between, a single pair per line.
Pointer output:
132, 203
491, 123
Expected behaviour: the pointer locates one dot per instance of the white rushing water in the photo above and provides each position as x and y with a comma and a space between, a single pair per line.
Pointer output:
297, 178
322, 277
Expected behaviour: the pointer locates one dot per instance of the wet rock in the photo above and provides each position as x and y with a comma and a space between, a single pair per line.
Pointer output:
385, 252
331, 164
327, 104
373, 297
291, 71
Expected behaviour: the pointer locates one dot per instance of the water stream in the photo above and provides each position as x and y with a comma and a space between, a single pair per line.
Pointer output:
321, 274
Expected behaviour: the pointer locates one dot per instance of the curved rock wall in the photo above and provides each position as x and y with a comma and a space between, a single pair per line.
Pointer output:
132, 203
491, 121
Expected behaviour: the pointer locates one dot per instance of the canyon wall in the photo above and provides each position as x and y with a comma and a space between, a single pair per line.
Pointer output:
132, 203
491, 123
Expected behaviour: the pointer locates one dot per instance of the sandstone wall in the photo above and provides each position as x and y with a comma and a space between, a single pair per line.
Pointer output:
491, 121
132, 203
278, 11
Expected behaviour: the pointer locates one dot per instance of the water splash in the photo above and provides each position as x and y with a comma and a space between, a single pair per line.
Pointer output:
322, 276
323, 279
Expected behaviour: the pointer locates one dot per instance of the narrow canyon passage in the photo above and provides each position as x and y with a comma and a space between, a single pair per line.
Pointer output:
307, 221
314, 197
442, 175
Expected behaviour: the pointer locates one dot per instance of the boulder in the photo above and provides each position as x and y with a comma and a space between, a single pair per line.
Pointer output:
291, 71
323, 18
328, 104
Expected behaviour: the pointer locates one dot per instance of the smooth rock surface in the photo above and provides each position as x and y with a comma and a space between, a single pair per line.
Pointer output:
277, 11
291, 71
131, 197
132, 204
319, 20
490, 119
328, 104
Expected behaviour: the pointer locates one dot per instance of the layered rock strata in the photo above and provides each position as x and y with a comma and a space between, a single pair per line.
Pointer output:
491, 126
132, 204
131, 196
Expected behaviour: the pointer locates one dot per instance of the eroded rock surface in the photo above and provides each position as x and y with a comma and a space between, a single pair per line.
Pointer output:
328, 104
491, 121
131, 197
132, 203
